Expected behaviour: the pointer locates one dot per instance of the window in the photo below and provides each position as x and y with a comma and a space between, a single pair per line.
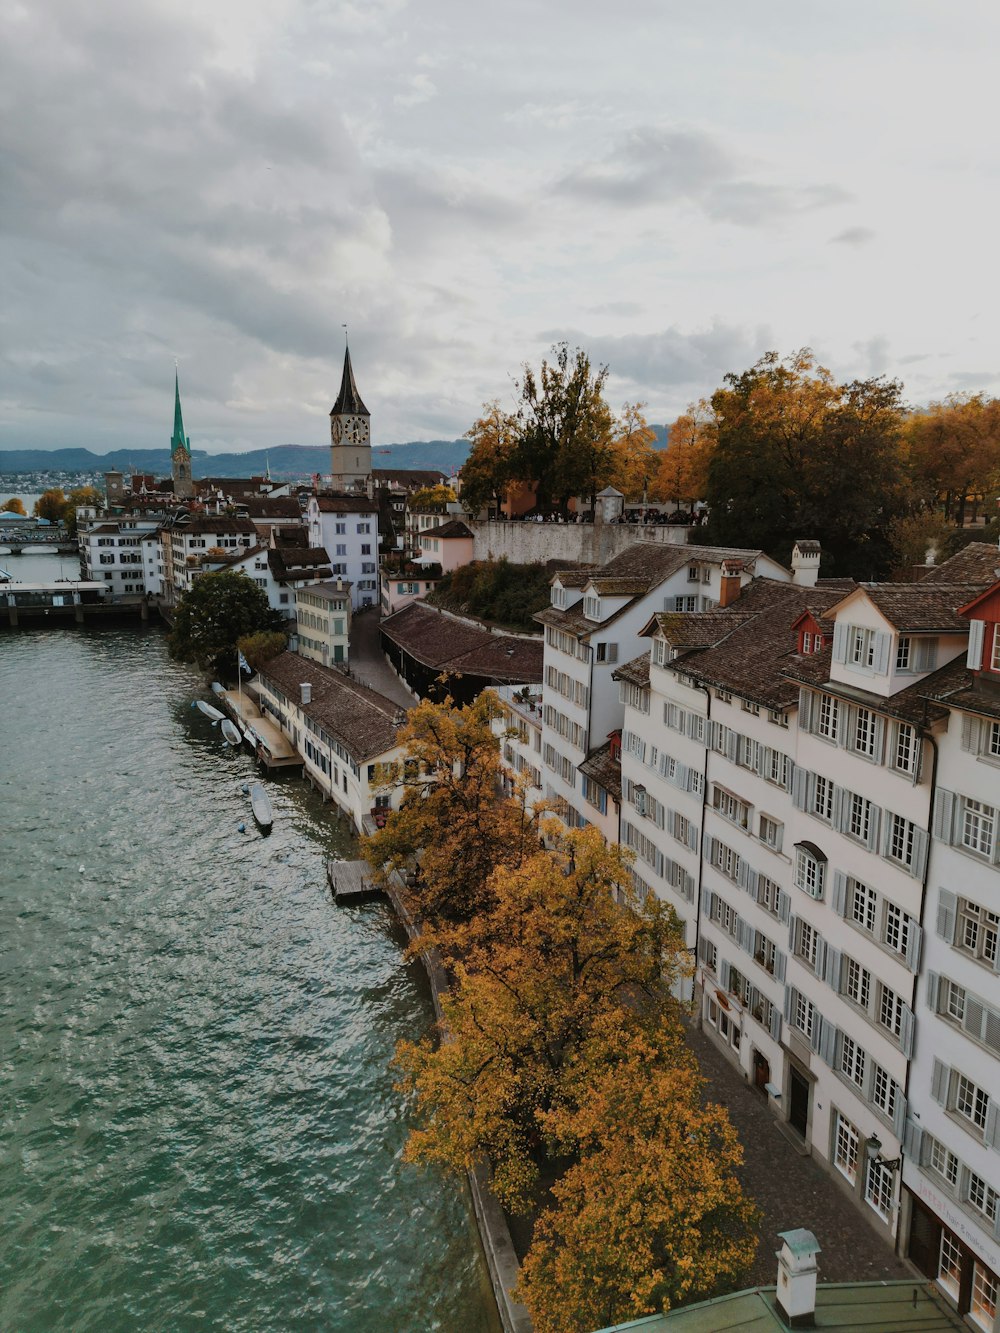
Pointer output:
857, 983
992, 747
829, 715
904, 748
341, 548
899, 846
692, 573
971, 1101
995, 655
883, 1092
768, 895
878, 1188
731, 807
982, 1197
863, 904
890, 1010
592, 607
978, 931
764, 952
950, 1268
896, 931
903, 653
366, 548
770, 832
852, 1061
364, 527
983, 1307
823, 798
803, 1014
859, 817
865, 732
607, 652
845, 1147
810, 872
978, 826
861, 647
340, 529
807, 643
943, 1161
685, 603
953, 1001
808, 942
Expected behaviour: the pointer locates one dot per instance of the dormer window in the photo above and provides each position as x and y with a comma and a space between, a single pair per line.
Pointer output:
692, 573
592, 606
995, 654
807, 643
558, 596
903, 654
862, 647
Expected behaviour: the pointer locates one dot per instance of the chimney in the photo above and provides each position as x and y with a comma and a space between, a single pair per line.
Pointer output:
729, 584
796, 1292
805, 563
307, 692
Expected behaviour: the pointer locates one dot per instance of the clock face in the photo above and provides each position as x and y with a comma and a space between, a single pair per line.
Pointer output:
336, 429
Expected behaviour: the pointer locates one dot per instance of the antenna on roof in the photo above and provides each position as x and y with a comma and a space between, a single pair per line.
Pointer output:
346, 339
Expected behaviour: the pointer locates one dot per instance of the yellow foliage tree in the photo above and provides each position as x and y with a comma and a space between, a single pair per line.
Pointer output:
651, 1212
567, 943
51, 504
454, 825
682, 472
431, 496
635, 457
953, 451
489, 468
12, 506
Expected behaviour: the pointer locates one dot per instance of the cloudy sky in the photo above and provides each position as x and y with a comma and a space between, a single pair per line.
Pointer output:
675, 187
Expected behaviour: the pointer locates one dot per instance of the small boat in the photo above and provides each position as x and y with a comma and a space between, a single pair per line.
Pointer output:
231, 732
261, 805
217, 688
208, 710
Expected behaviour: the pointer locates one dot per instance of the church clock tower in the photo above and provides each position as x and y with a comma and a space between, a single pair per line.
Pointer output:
180, 450
350, 436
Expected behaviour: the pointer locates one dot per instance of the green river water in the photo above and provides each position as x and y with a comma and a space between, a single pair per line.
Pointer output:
198, 1128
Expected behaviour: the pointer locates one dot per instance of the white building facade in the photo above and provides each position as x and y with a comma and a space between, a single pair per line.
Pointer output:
346, 526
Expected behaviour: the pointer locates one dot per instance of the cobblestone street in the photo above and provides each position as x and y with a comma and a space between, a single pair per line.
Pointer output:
792, 1190
367, 661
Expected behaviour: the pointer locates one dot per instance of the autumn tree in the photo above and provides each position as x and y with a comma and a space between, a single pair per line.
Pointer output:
651, 1211
454, 820
214, 614
13, 506
51, 504
259, 648
567, 947
489, 468
564, 429
635, 458
80, 496
953, 449
432, 496
682, 474
799, 455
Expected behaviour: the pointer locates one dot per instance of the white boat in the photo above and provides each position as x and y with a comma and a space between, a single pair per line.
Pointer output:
208, 710
261, 804
231, 732
217, 688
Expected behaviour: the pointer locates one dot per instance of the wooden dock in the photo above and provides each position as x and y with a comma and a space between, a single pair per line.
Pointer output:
271, 746
351, 881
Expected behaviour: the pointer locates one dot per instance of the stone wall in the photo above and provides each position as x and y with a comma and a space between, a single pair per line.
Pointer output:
576, 543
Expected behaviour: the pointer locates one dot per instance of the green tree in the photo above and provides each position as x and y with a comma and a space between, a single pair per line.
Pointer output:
81, 496
217, 611
51, 504
798, 455
259, 648
566, 947
954, 452
431, 496
651, 1212
565, 429
12, 506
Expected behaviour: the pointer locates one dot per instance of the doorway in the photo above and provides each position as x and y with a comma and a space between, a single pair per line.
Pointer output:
761, 1073
798, 1101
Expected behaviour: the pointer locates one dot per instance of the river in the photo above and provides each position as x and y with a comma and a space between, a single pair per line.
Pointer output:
198, 1127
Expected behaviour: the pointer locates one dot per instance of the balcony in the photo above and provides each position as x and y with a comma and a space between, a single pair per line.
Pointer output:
411, 570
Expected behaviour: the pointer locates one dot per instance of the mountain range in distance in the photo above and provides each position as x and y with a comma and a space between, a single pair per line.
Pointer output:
289, 462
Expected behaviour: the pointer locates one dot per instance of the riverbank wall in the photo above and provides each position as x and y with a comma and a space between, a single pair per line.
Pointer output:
494, 1234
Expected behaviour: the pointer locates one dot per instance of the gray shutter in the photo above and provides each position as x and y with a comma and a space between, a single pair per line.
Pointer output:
784, 907
879, 754
906, 1031
681, 776
821, 953
839, 899
841, 809
882, 644
899, 1115
920, 843
947, 913
776, 1022
742, 931
866, 1082
732, 745
927, 653
779, 966
828, 1044
806, 701
913, 1141
793, 930
800, 778
939, 1082
831, 972
789, 1003
692, 837
944, 814
914, 945
724, 973
933, 986
759, 754
977, 637
840, 634
874, 824
970, 733
818, 1024
992, 1136
751, 884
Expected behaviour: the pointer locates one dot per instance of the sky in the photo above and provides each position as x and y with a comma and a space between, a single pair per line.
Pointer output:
676, 188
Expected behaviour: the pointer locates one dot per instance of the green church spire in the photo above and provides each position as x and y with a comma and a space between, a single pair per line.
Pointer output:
178, 440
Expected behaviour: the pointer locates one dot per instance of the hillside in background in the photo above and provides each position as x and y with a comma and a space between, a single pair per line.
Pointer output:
292, 462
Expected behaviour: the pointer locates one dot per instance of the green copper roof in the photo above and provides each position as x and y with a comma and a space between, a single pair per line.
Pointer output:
178, 440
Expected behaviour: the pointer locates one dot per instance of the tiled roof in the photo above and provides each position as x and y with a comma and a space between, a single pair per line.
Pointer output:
221, 523
265, 507
922, 607
604, 770
445, 643
363, 721
955, 685
288, 564
698, 629
751, 660
979, 562
636, 671
329, 592
456, 528
617, 587
346, 504
574, 578
910, 705
408, 478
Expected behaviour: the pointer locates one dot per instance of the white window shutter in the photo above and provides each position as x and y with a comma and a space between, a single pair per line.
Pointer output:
933, 986
883, 642
839, 900
977, 638
939, 1082
944, 815
840, 636
806, 700
906, 1031
947, 913
914, 943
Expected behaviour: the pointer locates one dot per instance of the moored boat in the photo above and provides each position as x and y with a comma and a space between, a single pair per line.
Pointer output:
260, 803
231, 731
208, 710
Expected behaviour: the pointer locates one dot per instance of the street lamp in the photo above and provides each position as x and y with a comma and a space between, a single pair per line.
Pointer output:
873, 1151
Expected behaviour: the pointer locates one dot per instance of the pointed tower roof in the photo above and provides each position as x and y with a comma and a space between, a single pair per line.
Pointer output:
178, 440
349, 400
